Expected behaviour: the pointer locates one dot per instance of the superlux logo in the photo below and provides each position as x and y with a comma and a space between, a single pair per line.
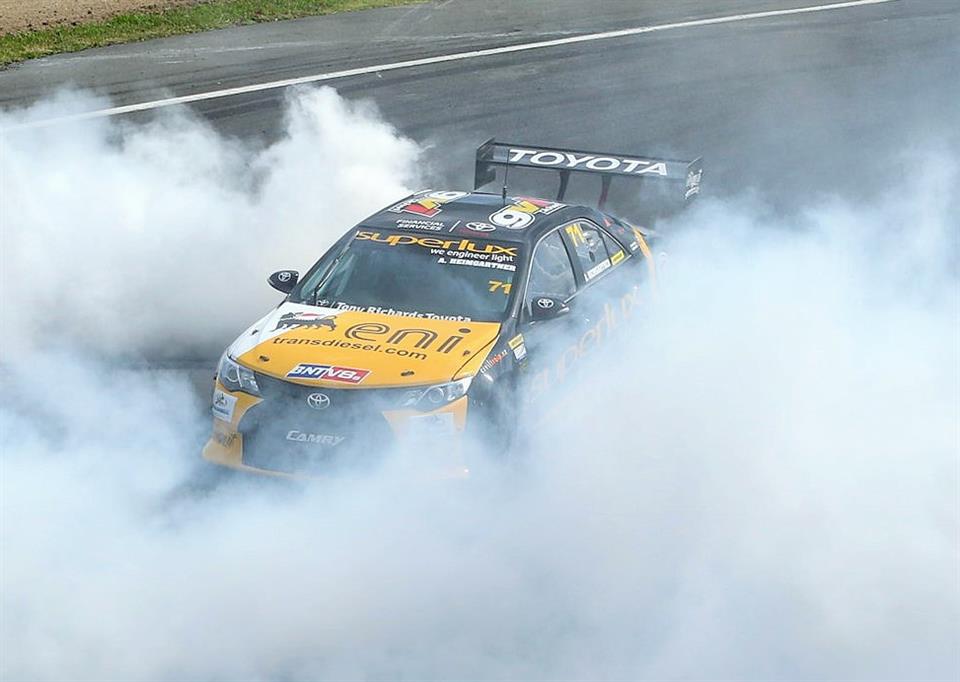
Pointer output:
587, 161
346, 375
435, 243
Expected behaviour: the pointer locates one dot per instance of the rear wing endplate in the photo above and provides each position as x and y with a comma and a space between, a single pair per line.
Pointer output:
685, 175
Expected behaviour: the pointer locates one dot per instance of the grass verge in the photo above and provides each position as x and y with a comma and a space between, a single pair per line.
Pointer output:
127, 28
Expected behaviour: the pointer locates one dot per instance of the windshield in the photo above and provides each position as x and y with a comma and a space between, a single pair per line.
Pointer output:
397, 272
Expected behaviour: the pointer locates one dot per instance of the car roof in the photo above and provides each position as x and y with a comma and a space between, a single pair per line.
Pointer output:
476, 214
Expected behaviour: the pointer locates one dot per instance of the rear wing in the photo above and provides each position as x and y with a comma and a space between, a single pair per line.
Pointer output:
685, 175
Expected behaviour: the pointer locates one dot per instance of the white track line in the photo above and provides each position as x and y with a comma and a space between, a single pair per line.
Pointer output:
457, 56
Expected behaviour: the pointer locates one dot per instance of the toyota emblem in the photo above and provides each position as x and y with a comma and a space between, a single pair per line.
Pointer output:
545, 303
481, 227
318, 401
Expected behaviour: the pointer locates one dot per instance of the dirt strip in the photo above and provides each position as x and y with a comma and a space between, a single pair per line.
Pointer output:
31, 15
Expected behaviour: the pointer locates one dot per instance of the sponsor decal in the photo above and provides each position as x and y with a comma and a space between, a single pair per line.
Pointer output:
376, 337
494, 360
390, 311
345, 375
426, 204
303, 320
427, 225
478, 264
597, 269
318, 401
223, 404
481, 227
283, 276
618, 164
693, 183
318, 438
517, 345
466, 246
521, 212
425, 339
337, 343
617, 257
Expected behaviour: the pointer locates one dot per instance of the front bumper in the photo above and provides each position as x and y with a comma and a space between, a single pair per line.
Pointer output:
281, 435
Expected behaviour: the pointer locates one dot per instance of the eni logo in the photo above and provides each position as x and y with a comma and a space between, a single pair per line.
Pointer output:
421, 338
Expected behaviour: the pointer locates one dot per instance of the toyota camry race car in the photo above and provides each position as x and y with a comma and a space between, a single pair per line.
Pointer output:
438, 316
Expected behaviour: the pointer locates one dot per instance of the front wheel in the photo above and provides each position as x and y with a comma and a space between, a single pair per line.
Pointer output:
493, 428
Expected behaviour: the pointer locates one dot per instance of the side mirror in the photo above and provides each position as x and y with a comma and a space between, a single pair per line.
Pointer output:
547, 308
284, 280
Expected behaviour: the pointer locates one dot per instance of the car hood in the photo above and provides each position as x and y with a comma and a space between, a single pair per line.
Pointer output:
358, 349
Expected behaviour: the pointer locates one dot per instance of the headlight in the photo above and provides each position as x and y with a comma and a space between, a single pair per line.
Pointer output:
236, 377
432, 397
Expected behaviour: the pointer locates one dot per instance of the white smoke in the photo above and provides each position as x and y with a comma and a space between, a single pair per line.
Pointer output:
761, 485
133, 238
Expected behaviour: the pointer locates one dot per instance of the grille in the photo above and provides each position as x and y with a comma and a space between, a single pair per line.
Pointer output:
283, 433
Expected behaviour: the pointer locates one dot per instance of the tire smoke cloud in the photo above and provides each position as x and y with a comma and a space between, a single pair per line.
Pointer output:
139, 235
762, 486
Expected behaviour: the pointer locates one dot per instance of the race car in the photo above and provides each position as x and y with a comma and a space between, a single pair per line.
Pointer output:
436, 319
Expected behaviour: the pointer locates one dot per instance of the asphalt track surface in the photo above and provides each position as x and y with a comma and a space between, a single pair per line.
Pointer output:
786, 105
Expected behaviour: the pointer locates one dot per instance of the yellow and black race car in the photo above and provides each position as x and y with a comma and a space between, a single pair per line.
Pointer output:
435, 317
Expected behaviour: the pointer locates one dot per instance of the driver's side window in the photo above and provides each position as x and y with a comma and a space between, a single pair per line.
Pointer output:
551, 273
590, 249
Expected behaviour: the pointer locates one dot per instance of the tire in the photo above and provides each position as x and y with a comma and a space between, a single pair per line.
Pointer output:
493, 429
